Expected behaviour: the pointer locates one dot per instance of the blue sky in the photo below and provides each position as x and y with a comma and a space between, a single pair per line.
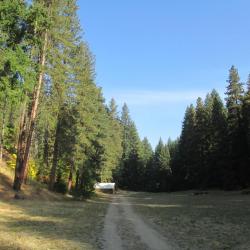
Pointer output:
159, 56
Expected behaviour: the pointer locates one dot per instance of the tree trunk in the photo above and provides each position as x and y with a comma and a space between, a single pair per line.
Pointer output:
81, 186
20, 149
52, 177
27, 126
46, 148
3, 127
77, 180
70, 179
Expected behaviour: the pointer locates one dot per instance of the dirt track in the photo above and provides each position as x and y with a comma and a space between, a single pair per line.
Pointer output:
124, 229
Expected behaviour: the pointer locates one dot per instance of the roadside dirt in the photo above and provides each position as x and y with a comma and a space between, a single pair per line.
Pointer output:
124, 229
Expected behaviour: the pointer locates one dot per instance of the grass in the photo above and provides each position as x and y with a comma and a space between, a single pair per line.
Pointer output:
26, 224
46, 220
218, 220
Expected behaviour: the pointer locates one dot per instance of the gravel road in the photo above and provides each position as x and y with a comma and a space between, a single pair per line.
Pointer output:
125, 230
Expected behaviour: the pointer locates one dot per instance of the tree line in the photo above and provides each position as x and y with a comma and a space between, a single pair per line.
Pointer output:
213, 150
214, 146
54, 115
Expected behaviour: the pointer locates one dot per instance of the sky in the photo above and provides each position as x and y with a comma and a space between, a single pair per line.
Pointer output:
158, 56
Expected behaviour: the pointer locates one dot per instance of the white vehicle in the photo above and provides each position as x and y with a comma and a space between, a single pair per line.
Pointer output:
105, 187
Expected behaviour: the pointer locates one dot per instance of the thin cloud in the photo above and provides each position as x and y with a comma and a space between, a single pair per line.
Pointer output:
146, 98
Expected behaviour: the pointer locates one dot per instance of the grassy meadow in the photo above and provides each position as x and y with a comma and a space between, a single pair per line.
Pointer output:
44, 220
26, 224
218, 220
47, 220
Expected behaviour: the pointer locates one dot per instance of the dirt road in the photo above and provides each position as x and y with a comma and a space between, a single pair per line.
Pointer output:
124, 229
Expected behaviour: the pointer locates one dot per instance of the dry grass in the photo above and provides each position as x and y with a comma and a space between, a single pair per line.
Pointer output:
218, 220
46, 220
26, 224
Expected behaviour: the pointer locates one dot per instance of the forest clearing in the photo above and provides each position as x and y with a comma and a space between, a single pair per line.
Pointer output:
126, 220
162, 124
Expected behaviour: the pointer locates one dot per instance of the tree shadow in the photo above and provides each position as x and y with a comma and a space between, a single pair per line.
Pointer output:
79, 223
6, 191
5, 181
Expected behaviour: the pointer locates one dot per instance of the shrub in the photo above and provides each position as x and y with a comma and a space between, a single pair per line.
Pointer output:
61, 187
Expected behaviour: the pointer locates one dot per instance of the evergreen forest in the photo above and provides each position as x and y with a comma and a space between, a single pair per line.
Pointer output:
61, 131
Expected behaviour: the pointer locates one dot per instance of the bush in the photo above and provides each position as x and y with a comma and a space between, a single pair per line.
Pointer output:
61, 187
11, 163
32, 169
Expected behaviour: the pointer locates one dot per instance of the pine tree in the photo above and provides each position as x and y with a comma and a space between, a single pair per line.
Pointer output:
63, 58
183, 170
161, 166
247, 113
27, 124
218, 146
234, 101
161, 156
112, 109
93, 156
203, 141
173, 146
236, 138
246, 124
113, 144
147, 151
15, 79
145, 174
126, 123
131, 164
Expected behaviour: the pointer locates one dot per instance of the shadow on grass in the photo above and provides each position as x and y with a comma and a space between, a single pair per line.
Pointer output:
6, 191
78, 222
5, 181
6, 245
